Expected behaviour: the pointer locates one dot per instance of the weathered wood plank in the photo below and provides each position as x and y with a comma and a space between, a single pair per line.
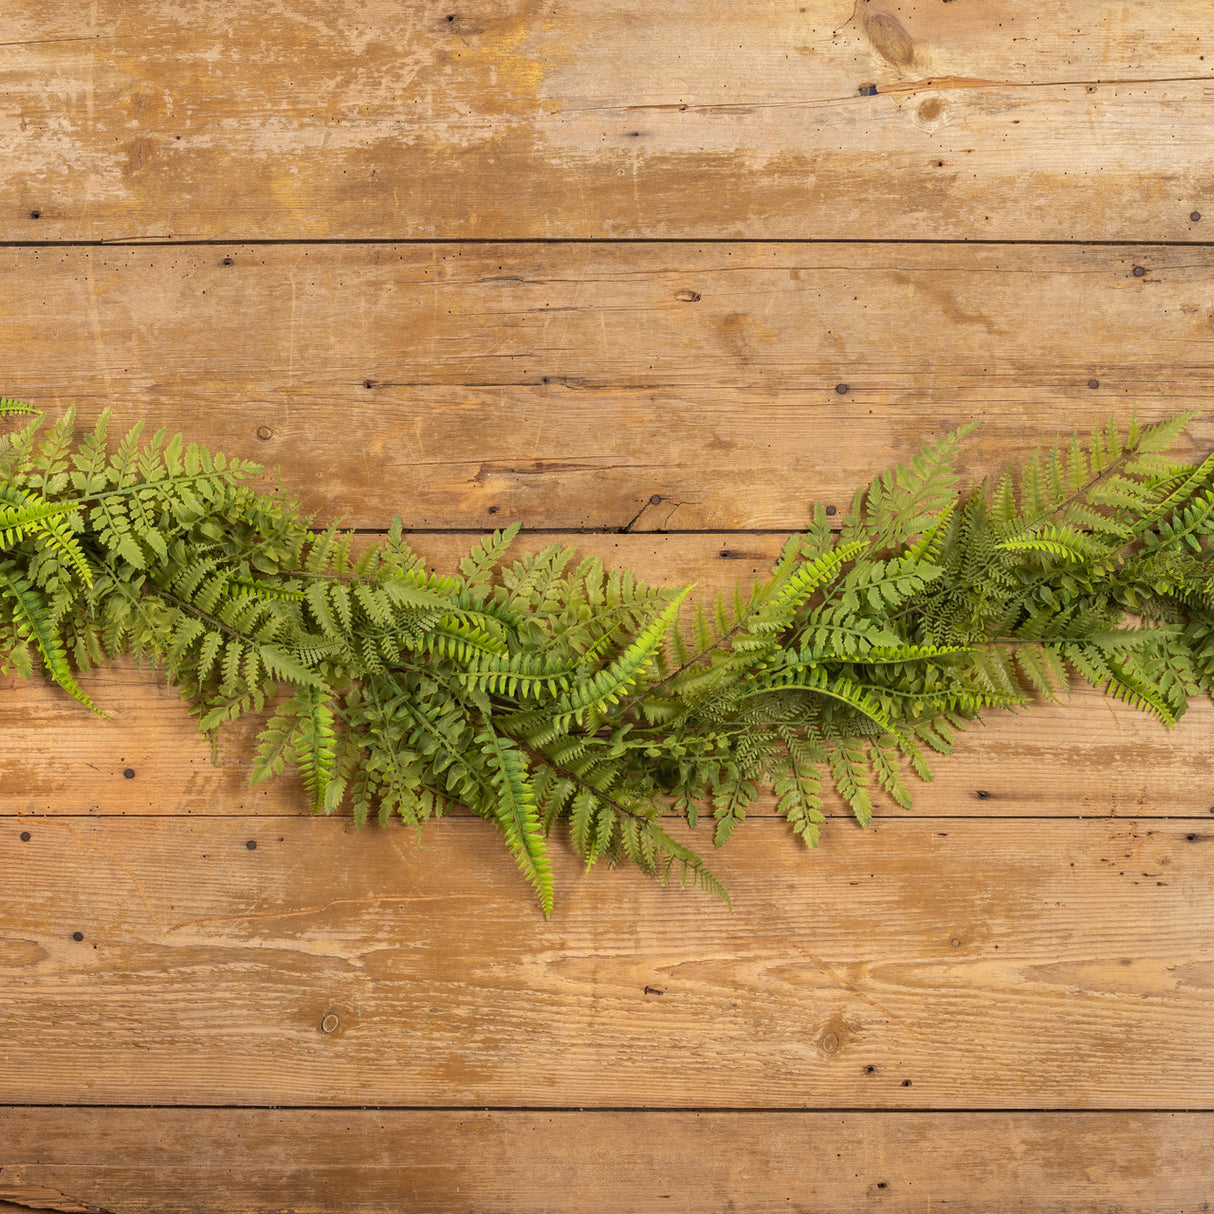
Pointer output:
926, 965
1090, 756
169, 1161
650, 387
516, 118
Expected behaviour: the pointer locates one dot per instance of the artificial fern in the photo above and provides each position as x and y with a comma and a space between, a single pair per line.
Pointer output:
548, 692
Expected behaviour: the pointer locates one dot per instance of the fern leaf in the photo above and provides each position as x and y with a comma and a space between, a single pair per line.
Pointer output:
614, 680
32, 620
315, 749
516, 811
8, 407
850, 773
691, 866
479, 565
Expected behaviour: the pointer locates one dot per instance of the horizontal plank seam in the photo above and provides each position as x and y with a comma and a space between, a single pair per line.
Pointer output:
752, 1110
227, 241
757, 815
525, 531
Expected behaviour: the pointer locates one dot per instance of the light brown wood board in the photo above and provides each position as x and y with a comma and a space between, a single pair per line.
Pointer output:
569, 385
640, 387
207, 1161
132, 119
1088, 756
938, 964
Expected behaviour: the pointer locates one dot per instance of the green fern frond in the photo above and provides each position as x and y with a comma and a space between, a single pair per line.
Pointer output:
480, 565
555, 689
32, 621
8, 407
517, 813
27, 513
850, 773
616, 679
1057, 540
316, 749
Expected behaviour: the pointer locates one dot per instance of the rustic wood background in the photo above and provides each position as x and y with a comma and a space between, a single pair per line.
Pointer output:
652, 277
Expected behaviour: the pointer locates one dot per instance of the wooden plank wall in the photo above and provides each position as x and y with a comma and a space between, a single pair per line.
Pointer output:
651, 278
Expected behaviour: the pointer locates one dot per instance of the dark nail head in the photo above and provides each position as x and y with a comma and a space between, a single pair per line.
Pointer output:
655, 499
251, 845
841, 389
1093, 383
1195, 216
77, 935
128, 773
25, 836
1139, 271
832, 510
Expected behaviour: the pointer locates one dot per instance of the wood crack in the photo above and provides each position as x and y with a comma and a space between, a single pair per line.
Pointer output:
38, 1197
939, 83
932, 83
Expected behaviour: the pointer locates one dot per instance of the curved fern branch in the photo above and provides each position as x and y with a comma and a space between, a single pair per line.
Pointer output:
550, 692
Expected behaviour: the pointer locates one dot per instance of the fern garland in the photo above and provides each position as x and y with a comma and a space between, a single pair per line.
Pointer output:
548, 689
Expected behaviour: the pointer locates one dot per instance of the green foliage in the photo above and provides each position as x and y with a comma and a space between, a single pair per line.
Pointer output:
550, 694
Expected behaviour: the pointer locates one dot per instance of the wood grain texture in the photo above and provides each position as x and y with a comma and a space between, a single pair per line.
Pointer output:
1033, 936
570, 386
932, 965
529, 118
200, 1161
1090, 756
